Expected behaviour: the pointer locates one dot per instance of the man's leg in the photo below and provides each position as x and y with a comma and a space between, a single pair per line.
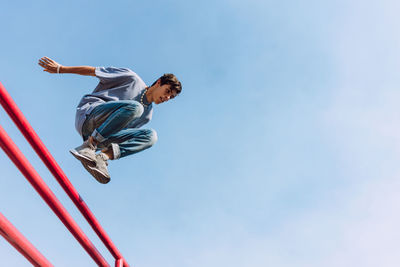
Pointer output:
128, 141
102, 122
121, 144
109, 118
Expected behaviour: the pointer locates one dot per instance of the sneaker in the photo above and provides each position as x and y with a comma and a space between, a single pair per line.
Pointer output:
85, 153
99, 171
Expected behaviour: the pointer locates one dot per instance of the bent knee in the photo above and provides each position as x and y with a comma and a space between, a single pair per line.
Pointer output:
152, 136
135, 109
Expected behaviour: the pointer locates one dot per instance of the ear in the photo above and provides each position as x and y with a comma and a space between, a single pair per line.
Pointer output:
158, 82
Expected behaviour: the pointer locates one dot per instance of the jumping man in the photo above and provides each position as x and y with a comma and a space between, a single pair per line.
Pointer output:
109, 119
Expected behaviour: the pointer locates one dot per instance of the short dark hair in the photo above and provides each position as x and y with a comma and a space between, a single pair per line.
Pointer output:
169, 78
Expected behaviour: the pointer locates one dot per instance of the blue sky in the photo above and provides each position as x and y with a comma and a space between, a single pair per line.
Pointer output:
282, 149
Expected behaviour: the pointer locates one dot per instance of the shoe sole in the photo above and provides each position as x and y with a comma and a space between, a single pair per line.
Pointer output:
83, 159
99, 176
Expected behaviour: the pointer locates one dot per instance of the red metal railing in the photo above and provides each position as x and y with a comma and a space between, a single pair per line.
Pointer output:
44, 191
23, 125
20, 243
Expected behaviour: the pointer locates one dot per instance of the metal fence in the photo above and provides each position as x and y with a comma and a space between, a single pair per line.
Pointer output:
40, 186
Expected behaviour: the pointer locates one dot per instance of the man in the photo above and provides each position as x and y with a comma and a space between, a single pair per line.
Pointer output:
109, 119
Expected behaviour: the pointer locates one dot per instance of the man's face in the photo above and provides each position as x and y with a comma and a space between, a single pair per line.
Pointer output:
163, 93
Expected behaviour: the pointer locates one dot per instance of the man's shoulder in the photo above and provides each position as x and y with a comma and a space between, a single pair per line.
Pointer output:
131, 73
138, 81
111, 70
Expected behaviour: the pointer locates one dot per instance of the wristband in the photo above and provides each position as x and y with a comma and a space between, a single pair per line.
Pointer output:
58, 68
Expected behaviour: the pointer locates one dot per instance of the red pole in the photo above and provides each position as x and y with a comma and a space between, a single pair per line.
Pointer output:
23, 125
20, 243
44, 191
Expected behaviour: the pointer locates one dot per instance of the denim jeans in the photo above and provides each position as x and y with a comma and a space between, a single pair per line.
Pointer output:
107, 124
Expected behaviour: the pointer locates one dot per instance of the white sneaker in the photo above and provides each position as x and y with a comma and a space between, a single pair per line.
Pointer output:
85, 153
99, 171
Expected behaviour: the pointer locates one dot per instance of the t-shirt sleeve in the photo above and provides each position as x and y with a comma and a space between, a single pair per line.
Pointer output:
113, 74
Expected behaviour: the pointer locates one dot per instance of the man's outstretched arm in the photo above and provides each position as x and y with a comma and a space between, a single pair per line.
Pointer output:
51, 66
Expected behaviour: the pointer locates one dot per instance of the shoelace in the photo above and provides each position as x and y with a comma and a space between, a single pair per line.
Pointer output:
104, 158
91, 145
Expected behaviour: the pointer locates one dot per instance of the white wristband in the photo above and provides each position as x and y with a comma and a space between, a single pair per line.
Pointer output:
58, 68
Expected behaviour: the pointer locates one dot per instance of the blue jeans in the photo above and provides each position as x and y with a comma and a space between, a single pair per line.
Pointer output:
107, 124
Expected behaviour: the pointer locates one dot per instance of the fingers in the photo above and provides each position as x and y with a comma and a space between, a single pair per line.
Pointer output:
49, 71
48, 64
48, 59
42, 62
45, 63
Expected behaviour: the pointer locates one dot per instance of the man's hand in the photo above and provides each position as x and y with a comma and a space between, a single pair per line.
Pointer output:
49, 65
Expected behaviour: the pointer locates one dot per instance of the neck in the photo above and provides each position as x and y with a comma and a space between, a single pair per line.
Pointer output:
149, 94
